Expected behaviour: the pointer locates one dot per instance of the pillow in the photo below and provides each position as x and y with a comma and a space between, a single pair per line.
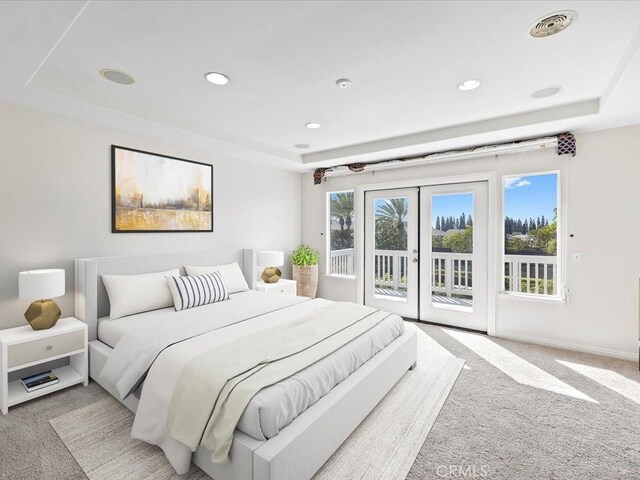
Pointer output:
231, 275
197, 290
129, 294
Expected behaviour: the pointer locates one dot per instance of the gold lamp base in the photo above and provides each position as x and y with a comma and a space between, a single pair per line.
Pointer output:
42, 314
271, 275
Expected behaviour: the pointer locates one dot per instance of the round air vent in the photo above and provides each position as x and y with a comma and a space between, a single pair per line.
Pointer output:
116, 76
553, 23
546, 91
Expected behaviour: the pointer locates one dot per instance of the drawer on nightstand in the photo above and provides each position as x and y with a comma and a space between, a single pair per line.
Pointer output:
289, 289
22, 353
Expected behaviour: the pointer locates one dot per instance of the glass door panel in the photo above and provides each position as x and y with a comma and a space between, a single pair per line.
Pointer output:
391, 255
454, 243
452, 251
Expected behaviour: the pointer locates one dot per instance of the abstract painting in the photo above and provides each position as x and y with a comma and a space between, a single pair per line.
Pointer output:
157, 193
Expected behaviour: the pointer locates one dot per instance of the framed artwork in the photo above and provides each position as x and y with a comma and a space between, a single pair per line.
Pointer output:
158, 193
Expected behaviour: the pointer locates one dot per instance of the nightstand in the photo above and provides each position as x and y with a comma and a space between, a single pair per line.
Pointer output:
23, 347
283, 287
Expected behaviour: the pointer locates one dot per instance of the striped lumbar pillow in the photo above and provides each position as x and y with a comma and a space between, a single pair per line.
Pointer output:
197, 290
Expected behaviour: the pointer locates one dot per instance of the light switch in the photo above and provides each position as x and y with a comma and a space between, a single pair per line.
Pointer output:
576, 257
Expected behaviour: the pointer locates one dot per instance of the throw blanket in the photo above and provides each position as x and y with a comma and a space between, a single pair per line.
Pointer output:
215, 387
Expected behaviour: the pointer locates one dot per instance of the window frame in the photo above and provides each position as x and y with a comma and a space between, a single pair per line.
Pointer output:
561, 292
328, 272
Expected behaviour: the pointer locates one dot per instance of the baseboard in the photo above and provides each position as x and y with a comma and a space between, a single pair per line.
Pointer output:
570, 346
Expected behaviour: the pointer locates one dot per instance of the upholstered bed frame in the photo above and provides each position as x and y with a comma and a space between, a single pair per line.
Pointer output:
302, 447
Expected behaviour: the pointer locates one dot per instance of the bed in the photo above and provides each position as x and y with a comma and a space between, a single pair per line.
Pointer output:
289, 429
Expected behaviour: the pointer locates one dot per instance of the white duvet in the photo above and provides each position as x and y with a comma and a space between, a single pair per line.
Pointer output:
272, 408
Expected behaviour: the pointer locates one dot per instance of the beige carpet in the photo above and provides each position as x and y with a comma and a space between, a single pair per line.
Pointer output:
396, 429
98, 435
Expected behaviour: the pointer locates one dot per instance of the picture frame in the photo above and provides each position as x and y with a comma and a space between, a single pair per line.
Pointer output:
156, 193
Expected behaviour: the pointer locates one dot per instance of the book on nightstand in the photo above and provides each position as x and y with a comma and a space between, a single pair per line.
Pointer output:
39, 380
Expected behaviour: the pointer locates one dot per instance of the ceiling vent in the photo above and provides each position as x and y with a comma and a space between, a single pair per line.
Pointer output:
117, 76
553, 23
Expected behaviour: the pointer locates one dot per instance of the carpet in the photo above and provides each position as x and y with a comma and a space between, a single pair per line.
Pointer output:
98, 435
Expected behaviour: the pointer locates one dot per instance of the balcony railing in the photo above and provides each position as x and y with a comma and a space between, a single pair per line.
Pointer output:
390, 269
531, 274
341, 262
452, 273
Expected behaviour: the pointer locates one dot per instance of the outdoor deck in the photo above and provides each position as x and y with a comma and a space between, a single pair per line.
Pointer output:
437, 299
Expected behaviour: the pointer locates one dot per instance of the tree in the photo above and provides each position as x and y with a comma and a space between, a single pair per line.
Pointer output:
395, 212
342, 209
438, 223
545, 238
460, 242
516, 245
469, 221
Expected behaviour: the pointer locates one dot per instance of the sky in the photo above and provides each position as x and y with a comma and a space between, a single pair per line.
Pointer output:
528, 196
451, 205
531, 196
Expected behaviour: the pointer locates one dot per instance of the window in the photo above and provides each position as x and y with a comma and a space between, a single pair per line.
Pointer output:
531, 240
340, 239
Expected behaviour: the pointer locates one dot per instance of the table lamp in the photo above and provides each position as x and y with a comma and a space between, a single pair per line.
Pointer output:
40, 286
271, 260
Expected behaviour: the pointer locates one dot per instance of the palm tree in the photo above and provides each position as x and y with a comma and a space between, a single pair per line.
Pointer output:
396, 210
342, 208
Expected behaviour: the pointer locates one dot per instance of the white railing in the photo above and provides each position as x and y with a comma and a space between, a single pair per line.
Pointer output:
531, 274
452, 273
341, 262
390, 268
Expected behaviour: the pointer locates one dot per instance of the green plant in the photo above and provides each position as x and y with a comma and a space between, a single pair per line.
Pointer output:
304, 255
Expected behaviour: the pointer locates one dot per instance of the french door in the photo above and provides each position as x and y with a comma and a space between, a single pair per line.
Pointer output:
426, 253
453, 259
391, 251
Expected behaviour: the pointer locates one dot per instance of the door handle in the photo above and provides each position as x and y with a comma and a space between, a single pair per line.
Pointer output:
415, 250
415, 260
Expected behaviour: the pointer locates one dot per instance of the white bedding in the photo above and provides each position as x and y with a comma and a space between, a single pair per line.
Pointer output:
273, 407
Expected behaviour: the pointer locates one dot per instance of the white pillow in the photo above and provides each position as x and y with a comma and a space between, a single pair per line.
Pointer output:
129, 294
231, 275
197, 290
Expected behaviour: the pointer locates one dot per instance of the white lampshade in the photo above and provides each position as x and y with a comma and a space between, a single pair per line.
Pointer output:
41, 284
271, 259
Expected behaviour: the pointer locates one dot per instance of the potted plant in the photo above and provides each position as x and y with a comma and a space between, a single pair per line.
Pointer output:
305, 270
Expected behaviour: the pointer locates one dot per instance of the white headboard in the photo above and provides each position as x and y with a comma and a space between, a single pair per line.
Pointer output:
92, 301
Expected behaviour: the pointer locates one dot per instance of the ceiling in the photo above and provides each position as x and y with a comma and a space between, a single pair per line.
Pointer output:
283, 58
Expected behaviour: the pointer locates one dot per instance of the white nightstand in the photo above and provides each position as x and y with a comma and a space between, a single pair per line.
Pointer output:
23, 347
283, 287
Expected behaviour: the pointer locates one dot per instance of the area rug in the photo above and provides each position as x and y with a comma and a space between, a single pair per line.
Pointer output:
384, 446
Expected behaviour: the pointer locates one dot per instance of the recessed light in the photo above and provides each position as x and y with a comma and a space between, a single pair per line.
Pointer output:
313, 125
301, 146
343, 83
469, 85
553, 23
546, 91
117, 76
216, 78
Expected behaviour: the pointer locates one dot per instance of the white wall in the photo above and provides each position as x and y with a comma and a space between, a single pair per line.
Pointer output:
55, 202
603, 198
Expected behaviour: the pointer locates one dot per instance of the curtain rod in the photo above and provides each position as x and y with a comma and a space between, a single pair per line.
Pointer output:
564, 143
